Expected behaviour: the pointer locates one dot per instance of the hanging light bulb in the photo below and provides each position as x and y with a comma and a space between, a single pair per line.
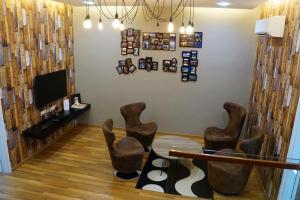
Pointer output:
192, 27
116, 22
100, 24
122, 27
87, 24
189, 29
182, 29
171, 26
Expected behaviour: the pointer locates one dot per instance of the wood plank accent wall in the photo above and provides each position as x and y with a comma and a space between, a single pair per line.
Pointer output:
36, 37
275, 89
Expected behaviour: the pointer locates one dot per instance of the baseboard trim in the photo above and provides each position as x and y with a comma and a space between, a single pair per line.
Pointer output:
158, 131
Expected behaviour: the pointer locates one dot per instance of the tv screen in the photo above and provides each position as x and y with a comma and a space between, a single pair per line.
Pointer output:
50, 87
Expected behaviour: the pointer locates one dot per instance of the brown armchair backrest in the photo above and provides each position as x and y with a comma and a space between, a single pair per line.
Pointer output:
109, 135
252, 146
132, 113
237, 115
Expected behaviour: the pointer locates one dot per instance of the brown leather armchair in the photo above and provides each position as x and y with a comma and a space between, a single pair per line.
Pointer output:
126, 155
217, 138
228, 178
144, 133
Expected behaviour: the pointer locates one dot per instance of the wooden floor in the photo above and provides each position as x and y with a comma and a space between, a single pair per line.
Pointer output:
78, 167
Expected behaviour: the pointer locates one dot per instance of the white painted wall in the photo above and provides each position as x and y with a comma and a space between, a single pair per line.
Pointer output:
224, 73
5, 166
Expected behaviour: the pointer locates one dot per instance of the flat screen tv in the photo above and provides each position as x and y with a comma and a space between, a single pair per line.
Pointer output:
50, 87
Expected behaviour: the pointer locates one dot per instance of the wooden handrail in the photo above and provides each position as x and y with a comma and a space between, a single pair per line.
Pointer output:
236, 160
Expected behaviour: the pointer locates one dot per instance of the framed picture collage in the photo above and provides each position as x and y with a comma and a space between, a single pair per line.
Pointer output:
189, 66
159, 41
130, 42
130, 45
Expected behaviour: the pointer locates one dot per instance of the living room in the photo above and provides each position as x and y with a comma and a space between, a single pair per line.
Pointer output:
154, 99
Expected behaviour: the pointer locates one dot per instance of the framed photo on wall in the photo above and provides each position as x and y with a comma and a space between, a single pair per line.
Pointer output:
191, 40
130, 42
170, 65
148, 64
189, 66
159, 41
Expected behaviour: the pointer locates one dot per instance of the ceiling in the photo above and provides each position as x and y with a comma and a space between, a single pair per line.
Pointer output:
244, 4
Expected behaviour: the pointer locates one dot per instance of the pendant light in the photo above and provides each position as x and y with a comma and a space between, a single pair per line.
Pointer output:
122, 26
87, 24
100, 24
190, 29
157, 19
171, 24
116, 21
182, 28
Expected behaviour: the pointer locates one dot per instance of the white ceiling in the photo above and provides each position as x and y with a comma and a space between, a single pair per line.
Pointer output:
245, 4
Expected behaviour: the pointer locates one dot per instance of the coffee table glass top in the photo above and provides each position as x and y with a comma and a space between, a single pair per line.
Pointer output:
162, 145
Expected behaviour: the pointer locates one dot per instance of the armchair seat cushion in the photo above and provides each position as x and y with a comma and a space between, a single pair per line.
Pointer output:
129, 146
216, 138
214, 133
127, 154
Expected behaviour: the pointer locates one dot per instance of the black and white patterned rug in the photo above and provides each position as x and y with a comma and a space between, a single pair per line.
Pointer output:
182, 177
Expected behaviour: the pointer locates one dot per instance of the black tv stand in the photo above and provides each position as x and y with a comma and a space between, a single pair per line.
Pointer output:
49, 126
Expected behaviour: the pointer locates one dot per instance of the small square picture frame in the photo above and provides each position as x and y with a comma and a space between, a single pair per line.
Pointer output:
124, 51
184, 77
75, 97
130, 51
130, 32
126, 70
149, 66
136, 51
172, 69
192, 77
124, 44
119, 69
185, 69
194, 54
194, 63
132, 68
148, 59
142, 63
174, 61
166, 63
128, 61
186, 62
122, 63
186, 54
193, 70
155, 65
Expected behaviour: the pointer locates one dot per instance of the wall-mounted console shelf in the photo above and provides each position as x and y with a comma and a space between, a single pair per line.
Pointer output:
49, 126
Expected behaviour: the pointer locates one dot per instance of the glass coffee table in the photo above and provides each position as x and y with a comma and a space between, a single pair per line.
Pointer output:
162, 145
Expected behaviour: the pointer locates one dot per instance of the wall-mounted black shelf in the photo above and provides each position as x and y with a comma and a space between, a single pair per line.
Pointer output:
49, 126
